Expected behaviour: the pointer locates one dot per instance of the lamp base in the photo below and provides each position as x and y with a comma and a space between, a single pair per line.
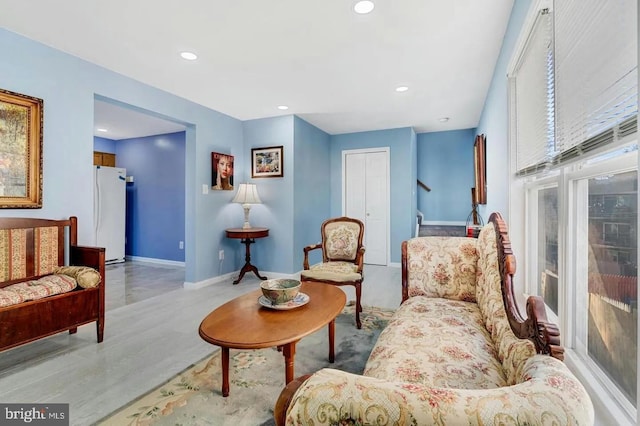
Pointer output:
246, 208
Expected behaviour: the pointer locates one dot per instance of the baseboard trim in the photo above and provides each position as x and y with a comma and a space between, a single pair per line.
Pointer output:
232, 276
443, 223
209, 281
154, 260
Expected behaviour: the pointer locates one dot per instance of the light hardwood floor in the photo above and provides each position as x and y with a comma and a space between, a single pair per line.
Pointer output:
151, 334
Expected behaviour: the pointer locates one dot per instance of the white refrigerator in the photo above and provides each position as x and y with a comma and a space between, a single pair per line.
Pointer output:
109, 212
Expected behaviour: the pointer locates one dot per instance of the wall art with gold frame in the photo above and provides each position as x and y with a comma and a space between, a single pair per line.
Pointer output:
20, 151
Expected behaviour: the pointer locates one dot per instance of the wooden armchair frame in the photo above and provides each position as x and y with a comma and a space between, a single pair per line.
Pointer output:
358, 261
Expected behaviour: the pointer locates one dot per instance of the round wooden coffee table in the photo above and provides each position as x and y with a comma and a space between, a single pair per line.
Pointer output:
243, 323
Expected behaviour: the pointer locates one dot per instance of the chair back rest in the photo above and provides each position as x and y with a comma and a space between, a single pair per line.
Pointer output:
31, 248
341, 239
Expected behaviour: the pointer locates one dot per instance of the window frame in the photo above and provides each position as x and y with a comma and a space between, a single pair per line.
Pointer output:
572, 183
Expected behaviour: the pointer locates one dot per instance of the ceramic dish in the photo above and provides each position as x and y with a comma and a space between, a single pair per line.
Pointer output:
300, 300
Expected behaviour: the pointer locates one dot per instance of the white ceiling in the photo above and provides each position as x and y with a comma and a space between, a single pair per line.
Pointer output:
334, 68
124, 123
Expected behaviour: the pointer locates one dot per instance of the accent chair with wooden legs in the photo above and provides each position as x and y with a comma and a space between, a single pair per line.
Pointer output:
342, 257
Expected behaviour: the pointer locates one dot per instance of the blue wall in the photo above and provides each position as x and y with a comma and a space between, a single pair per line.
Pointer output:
104, 145
402, 145
155, 198
69, 86
312, 191
445, 162
274, 253
494, 123
494, 120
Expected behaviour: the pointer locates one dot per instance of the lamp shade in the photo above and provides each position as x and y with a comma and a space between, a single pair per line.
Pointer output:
247, 194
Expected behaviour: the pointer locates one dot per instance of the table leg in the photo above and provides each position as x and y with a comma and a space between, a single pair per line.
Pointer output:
289, 352
332, 338
225, 372
248, 267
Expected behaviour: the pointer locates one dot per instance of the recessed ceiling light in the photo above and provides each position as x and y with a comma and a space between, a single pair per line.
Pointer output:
100, 129
363, 7
189, 56
283, 107
443, 119
402, 89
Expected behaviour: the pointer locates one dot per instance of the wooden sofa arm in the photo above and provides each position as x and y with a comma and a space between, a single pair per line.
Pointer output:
544, 334
536, 327
87, 256
284, 400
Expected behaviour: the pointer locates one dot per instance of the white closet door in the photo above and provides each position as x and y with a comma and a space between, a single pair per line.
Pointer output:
365, 197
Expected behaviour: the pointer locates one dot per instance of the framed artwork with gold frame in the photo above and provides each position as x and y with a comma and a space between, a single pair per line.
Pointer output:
20, 151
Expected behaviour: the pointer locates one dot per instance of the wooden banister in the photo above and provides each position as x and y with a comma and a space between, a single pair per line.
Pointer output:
424, 186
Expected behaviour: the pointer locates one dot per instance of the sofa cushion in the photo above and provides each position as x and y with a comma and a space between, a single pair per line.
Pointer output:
37, 289
85, 276
512, 352
442, 267
439, 343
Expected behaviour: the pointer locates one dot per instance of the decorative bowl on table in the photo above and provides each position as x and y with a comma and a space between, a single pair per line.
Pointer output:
280, 291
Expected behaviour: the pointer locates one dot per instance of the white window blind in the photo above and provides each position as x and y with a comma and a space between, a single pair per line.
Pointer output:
596, 74
531, 86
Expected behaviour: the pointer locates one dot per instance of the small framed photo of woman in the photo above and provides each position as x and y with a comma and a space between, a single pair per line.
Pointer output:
267, 162
221, 171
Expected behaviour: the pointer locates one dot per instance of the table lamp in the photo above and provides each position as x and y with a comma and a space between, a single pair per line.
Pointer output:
247, 194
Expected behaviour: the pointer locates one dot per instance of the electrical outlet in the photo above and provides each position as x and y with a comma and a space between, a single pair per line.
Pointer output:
221, 254
181, 245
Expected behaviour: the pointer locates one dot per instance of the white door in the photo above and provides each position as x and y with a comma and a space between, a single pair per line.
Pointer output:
366, 197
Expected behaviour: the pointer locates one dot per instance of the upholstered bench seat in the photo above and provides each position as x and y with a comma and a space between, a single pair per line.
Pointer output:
49, 285
439, 342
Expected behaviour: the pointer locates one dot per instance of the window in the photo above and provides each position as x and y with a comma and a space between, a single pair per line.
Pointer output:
606, 273
547, 244
581, 182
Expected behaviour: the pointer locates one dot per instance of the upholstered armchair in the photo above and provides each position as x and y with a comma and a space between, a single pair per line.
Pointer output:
342, 257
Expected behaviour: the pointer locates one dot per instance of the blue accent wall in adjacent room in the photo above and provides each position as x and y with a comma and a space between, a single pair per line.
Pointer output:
155, 198
445, 164
104, 145
401, 143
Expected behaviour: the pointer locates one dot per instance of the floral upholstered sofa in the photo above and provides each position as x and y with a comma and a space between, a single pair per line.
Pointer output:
456, 352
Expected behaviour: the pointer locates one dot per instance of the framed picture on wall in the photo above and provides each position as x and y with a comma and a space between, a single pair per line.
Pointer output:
480, 169
221, 171
21, 153
267, 162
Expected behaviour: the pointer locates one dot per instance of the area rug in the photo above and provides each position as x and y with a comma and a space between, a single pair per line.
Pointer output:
256, 378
